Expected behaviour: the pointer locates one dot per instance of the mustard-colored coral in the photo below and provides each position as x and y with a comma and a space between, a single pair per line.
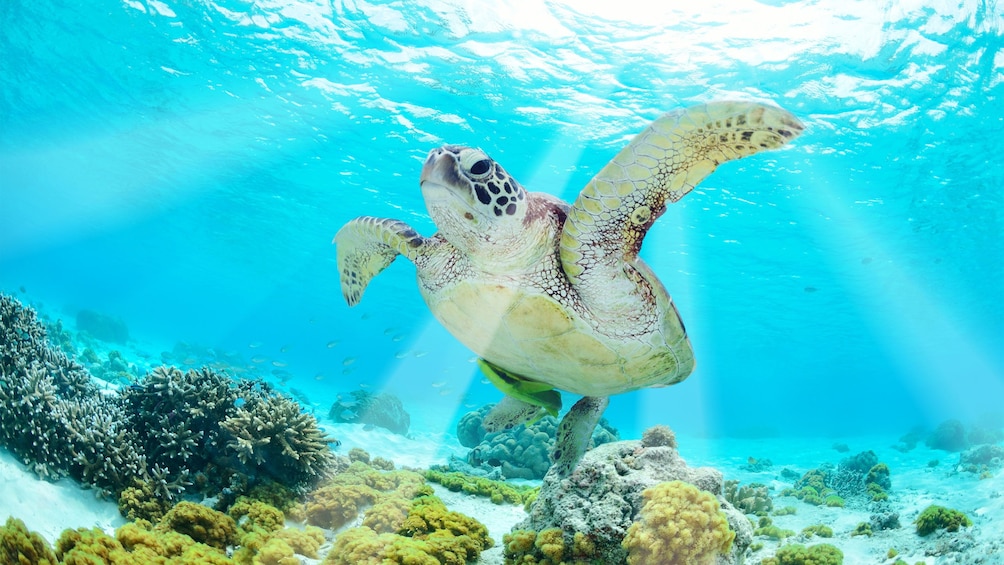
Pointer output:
431, 534
201, 523
139, 501
388, 515
304, 542
334, 506
18, 546
88, 547
276, 552
251, 515
679, 524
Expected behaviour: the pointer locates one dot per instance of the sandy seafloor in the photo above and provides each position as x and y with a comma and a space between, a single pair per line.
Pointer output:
48, 508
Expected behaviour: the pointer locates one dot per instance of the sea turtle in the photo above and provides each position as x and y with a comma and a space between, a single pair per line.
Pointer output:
551, 296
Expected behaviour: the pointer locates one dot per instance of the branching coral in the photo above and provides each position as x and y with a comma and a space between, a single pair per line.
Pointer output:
679, 524
271, 434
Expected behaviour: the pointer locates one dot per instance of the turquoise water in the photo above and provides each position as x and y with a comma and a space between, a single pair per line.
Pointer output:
183, 166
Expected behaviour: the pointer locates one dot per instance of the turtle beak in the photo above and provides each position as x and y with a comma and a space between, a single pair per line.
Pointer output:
440, 168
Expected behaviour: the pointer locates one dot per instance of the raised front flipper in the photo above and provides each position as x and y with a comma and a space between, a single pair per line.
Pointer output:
609, 219
367, 245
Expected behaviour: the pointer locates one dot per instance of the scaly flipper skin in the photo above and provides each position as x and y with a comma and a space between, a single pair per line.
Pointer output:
574, 433
367, 245
609, 219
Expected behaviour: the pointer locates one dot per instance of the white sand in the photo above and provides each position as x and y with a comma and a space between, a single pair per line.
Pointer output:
48, 508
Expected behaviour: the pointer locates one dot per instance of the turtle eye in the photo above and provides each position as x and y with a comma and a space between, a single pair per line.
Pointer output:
480, 168
476, 163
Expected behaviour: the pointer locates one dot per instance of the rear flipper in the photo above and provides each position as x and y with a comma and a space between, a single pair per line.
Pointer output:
574, 433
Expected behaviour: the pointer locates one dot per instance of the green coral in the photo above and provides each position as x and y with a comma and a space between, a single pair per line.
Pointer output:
834, 501
795, 554
678, 524
862, 529
936, 517
18, 546
818, 530
497, 491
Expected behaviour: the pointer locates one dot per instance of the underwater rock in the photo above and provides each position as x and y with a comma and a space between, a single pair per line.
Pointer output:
950, 435
384, 410
100, 326
603, 497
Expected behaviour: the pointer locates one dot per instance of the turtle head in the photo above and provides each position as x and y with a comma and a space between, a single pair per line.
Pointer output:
471, 198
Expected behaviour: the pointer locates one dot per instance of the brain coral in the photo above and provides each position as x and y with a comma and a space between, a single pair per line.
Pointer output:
679, 525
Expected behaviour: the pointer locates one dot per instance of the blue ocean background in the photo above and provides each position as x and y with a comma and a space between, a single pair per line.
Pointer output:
184, 165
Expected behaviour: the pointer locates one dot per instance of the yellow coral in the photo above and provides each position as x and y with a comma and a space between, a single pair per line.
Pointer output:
551, 544
388, 515
84, 547
276, 552
335, 505
253, 515
679, 525
201, 523
305, 542
18, 546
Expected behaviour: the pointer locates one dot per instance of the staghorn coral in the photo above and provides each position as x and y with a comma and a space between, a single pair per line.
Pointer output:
679, 524
52, 416
272, 435
18, 546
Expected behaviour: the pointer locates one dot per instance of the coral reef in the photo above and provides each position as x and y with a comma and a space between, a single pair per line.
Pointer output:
430, 534
795, 554
522, 452
936, 517
497, 491
603, 497
750, 499
155, 438
679, 524
18, 546
383, 410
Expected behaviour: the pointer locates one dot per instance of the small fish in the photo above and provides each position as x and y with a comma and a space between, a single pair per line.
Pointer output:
400, 354
364, 385
439, 384
239, 402
389, 331
318, 377
259, 359
811, 289
348, 361
284, 348
421, 353
469, 406
446, 392
485, 382
279, 364
332, 343
473, 359
397, 337
254, 344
